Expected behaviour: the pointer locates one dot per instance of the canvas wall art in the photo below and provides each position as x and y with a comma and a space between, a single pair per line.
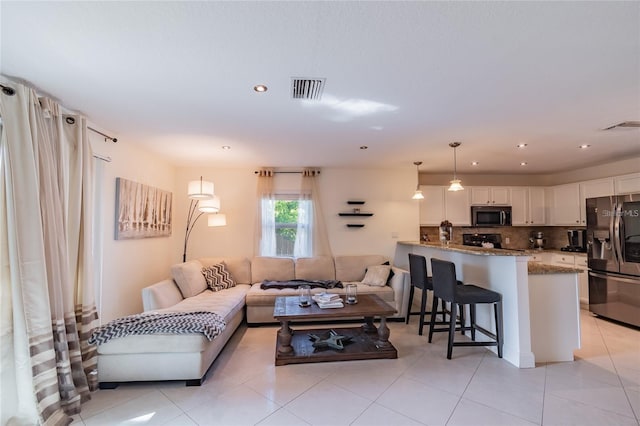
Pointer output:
142, 211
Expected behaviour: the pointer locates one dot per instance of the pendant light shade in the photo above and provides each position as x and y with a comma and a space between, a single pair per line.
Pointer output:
200, 189
209, 205
417, 195
219, 219
456, 184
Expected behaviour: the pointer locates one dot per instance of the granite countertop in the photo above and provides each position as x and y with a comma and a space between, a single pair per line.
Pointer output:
538, 268
479, 251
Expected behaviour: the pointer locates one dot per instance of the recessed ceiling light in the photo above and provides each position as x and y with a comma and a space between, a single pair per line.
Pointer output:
364, 147
474, 163
585, 146
260, 88
521, 145
523, 163
226, 147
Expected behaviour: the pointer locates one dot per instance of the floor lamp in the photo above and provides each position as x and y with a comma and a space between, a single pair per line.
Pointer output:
203, 200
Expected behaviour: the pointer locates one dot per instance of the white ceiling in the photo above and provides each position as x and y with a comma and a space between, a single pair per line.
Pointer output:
403, 78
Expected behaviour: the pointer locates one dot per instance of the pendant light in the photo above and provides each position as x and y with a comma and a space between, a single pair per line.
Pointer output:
418, 194
455, 183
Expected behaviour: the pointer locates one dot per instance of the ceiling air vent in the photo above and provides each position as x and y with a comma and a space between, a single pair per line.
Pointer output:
307, 88
627, 124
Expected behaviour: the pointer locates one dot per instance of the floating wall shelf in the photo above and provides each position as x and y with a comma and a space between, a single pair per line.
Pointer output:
355, 212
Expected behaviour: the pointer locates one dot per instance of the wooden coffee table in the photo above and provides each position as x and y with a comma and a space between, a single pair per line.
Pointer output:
367, 341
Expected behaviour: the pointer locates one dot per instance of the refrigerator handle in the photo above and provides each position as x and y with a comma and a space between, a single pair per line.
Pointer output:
617, 244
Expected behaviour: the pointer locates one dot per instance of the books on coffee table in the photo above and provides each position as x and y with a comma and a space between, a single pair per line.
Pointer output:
328, 300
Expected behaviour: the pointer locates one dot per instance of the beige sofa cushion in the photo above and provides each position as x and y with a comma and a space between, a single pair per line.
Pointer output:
188, 277
377, 275
238, 267
272, 269
315, 268
353, 268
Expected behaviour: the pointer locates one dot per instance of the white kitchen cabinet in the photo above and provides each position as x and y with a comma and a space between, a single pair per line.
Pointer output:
458, 207
627, 184
540, 257
565, 206
432, 208
579, 261
593, 188
490, 195
528, 206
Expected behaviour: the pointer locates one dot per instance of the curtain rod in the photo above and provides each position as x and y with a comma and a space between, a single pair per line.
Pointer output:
102, 157
114, 140
300, 172
10, 92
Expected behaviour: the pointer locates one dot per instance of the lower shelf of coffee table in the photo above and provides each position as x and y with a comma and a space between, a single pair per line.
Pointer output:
361, 346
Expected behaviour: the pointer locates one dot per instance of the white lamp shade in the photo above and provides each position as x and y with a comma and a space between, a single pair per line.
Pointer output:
456, 185
418, 195
219, 219
209, 205
200, 189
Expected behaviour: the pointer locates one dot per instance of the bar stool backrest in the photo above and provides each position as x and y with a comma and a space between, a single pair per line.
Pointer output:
418, 271
444, 279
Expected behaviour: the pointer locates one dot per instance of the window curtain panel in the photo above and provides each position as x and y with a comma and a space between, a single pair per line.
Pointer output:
265, 229
46, 291
311, 236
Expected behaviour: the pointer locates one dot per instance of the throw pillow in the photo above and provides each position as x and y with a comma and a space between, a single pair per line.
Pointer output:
218, 277
188, 278
377, 275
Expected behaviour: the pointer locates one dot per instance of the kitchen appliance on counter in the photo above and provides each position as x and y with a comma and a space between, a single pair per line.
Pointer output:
491, 215
478, 240
577, 241
537, 240
613, 254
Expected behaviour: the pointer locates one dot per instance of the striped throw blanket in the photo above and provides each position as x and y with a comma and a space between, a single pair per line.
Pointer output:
208, 323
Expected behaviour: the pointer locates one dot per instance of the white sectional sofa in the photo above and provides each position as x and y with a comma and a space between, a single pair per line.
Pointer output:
189, 356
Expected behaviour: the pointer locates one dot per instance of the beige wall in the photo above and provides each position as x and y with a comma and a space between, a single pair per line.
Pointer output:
130, 265
387, 194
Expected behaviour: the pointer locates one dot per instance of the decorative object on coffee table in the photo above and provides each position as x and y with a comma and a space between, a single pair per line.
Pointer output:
330, 339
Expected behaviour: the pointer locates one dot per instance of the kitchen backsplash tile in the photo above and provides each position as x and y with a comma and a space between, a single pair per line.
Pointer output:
556, 236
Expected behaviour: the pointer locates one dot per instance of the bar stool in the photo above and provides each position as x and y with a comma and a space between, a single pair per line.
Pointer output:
420, 279
446, 289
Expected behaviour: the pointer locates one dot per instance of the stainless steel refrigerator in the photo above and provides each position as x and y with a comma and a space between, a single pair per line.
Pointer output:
613, 250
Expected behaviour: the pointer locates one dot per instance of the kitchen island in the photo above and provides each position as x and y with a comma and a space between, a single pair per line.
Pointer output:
540, 302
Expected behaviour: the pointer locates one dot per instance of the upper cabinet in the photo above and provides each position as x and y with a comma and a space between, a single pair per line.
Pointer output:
568, 201
440, 204
565, 204
627, 184
528, 206
432, 210
458, 207
490, 195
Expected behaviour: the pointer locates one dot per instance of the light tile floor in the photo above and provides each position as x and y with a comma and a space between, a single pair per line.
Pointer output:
421, 387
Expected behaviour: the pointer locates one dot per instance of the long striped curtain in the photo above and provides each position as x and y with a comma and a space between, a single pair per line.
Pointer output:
46, 290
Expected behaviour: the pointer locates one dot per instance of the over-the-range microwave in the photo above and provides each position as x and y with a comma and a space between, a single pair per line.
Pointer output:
491, 215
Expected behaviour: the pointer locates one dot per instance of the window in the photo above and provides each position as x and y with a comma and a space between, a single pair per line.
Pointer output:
291, 227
